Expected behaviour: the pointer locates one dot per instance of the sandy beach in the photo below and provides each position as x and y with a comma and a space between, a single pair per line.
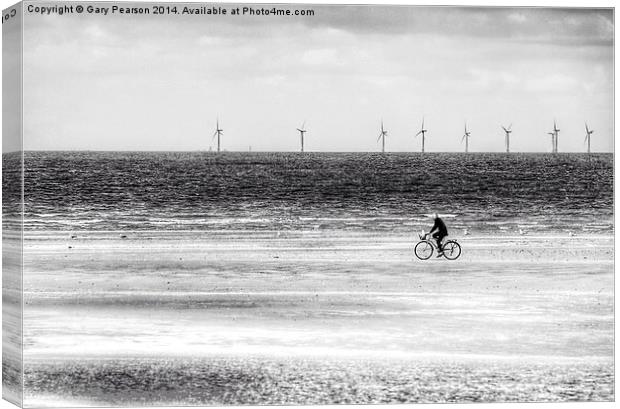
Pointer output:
243, 317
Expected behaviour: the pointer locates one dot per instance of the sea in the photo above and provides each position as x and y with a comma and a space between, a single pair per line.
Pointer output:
487, 193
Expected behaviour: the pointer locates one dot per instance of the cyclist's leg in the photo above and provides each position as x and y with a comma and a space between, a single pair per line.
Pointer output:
440, 242
438, 237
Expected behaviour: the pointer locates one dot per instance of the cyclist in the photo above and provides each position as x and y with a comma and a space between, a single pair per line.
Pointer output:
440, 230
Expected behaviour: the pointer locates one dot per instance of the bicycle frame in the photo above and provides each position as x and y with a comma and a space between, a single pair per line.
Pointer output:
427, 237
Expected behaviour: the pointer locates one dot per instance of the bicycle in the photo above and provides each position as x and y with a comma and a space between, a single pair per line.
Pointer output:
427, 246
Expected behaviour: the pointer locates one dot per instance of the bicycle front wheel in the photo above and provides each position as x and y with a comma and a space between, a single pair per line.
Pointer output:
451, 250
423, 250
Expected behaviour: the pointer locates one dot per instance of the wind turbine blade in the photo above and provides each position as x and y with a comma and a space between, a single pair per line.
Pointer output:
505, 130
463, 138
379, 138
587, 130
303, 126
510, 127
418, 133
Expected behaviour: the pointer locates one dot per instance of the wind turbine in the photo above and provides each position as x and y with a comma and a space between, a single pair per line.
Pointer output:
423, 132
508, 131
302, 131
466, 138
218, 132
382, 136
556, 131
588, 133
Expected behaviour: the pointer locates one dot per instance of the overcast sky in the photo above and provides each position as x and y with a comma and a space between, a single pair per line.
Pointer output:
159, 82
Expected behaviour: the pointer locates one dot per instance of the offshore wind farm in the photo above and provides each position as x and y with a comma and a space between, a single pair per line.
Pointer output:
422, 133
187, 242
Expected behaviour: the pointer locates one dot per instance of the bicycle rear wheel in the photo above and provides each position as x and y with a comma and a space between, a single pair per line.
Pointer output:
423, 250
451, 250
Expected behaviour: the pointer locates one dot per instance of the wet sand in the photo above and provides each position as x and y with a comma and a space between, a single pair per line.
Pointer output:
265, 380
314, 317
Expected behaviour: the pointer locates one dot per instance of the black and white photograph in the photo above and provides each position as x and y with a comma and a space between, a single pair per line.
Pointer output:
224, 204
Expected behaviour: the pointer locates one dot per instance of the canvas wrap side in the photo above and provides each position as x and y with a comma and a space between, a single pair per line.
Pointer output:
12, 206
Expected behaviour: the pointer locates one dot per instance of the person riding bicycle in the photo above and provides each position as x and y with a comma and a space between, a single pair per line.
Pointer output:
440, 230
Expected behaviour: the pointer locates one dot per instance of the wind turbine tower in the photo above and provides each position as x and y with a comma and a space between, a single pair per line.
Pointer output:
218, 132
508, 132
466, 138
423, 132
302, 131
588, 133
552, 140
382, 137
556, 131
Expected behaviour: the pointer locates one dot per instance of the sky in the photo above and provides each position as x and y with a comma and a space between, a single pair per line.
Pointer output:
146, 82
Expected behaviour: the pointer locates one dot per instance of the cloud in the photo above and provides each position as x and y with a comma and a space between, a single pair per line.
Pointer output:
493, 22
523, 23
